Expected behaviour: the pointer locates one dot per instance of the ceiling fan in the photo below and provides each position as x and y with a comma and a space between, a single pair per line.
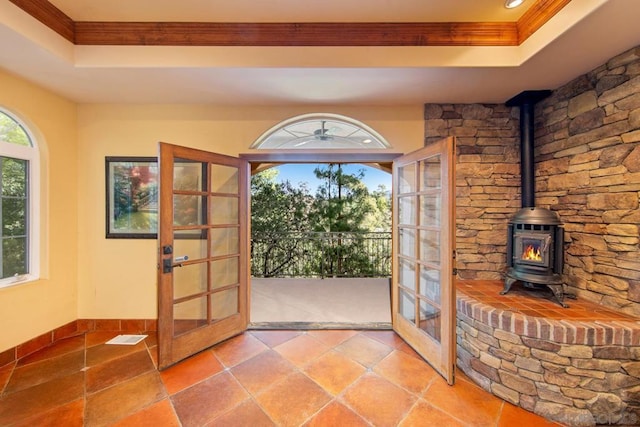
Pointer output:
321, 134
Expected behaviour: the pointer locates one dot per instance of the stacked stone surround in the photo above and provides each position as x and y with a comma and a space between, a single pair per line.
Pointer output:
487, 180
577, 373
587, 149
587, 160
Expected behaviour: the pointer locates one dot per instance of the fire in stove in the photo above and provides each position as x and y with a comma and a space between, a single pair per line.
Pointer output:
532, 253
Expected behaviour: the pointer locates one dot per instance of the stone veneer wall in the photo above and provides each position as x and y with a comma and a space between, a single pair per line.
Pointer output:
487, 180
587, 148
587, 154
577, 373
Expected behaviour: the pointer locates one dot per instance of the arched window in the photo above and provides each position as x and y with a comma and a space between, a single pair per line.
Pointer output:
320, 131
19, 202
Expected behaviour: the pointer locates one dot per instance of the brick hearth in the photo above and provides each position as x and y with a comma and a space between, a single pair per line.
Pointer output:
578, 365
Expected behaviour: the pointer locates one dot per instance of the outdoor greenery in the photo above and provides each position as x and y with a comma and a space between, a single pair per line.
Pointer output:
342, 230
12, 132
13, 201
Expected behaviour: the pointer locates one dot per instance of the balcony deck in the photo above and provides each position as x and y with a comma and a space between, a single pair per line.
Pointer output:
311, 303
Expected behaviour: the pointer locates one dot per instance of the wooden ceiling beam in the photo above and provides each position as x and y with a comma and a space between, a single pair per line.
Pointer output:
294, 34
49, 15
537, 15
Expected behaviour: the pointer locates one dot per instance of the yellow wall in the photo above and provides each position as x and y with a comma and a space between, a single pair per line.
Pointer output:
117, 278
84, 274
30, 309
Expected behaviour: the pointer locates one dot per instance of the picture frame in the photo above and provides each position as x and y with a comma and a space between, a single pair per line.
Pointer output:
131, 197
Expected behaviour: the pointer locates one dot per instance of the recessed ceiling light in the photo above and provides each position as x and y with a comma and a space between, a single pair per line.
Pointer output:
510, 4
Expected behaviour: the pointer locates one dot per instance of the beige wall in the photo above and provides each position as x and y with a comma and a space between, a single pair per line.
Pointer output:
30, 309
117, 278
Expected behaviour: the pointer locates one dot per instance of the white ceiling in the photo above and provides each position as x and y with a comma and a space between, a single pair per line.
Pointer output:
289, 10
581, 37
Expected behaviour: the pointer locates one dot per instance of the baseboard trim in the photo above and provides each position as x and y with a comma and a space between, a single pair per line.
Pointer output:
75, 328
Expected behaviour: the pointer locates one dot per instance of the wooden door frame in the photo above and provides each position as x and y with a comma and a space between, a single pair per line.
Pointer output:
383, 158
279, 157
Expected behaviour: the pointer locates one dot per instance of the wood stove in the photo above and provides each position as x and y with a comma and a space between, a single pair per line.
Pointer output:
535, 236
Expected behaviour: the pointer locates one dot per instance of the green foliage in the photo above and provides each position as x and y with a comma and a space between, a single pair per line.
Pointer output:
13, 201
12, 132
341, 201
289, 226
277, 208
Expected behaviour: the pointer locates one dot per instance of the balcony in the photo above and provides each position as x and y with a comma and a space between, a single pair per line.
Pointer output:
321, 280
321, 255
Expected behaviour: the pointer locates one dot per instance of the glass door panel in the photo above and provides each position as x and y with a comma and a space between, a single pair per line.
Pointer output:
224, 210
407, 305
224, 179
224, 241
430, 176
224, 304
407, 242
407, 210
430, 320
430, 208
189, 315
189, 280
430, 246
407, 274
406, 178
430, 284
224, 273
187, 210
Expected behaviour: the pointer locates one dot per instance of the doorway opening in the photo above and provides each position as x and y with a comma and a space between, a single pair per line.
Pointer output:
321, 246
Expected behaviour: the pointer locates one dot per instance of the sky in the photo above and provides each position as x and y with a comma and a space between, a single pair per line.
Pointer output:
297, 173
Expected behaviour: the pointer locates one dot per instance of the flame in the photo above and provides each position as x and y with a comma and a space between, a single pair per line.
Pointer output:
532, 254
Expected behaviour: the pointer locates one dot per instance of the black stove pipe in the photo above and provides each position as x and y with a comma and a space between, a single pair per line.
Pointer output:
526, 101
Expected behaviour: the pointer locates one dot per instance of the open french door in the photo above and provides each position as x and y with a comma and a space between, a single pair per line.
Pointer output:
203, 245
423, 292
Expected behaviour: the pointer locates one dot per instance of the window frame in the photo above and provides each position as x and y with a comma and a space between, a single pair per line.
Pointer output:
31, 154
265, 140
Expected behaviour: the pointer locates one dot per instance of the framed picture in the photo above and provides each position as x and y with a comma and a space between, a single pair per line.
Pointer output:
132, 197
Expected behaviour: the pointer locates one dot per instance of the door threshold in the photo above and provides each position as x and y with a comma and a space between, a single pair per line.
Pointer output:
319, 325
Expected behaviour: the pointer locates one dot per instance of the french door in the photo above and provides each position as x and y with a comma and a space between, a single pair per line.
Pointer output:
423, 292
203, 242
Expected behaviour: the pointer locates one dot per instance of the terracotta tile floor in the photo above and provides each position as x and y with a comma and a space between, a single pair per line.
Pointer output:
538, 303
260, 378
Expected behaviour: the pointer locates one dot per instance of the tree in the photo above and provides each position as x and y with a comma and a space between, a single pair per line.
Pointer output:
276, 209
341, 201
294, 233
379, 217
13, 203
342, 204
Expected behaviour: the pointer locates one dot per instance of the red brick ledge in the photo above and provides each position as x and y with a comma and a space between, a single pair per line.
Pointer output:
71, 329
560, 331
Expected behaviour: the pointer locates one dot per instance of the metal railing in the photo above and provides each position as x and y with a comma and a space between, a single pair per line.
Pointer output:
318, 254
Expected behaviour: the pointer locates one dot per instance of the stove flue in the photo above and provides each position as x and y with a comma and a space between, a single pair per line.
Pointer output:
535, 235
